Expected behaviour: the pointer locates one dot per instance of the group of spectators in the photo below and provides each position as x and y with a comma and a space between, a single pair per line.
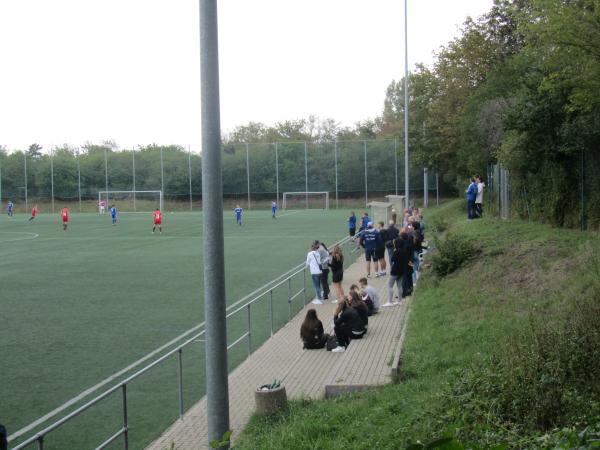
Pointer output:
475, 198
403, 243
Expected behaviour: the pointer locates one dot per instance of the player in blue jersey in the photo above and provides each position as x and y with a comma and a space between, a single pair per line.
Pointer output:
238, 215
364, 222
113, 214
352, 224
9, 208
273, 210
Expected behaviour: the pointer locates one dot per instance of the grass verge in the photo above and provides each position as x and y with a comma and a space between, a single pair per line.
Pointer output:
501, 352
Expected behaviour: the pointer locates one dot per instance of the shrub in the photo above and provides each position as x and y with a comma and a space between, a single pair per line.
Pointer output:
452, 252
440, 224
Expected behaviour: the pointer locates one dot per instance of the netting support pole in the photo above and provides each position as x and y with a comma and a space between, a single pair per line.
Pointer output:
0, 183
106, 171
52, 178
248, 173
217, 387
277, 170
425, 188
190, 173
396, 164
133, 175
336, 172
406, 165
306, 171
78, 179
25, 169
162, 172
366, 179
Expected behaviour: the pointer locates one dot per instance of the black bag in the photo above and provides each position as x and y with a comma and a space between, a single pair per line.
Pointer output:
331, 342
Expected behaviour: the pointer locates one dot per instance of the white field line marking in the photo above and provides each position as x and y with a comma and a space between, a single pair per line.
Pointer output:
29, 236
99, 385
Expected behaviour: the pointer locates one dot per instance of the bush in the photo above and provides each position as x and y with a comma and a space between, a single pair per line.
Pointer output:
440, 224
452, 253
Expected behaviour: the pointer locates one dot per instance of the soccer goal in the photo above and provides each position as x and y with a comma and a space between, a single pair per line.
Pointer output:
132, 201
305, 200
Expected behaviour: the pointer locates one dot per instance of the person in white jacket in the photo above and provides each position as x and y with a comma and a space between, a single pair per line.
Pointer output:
479, 198
313, 262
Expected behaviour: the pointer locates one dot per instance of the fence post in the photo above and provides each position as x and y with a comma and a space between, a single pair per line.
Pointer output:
78, 180
180, 367
366, 179
249, 330
290, 298
277, 170
437, 188
425, 188
52, 178
306, 172
248, 173
25, 168
125, 425
133, 174
336, 172
190, 173
271, 310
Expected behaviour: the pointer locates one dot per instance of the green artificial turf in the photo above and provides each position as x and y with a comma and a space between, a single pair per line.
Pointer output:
79, 305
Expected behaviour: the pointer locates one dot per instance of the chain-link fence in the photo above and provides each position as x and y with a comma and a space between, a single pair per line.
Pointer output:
353, 172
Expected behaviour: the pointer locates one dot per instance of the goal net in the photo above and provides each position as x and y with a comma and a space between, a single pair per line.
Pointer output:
130, 201
305, 200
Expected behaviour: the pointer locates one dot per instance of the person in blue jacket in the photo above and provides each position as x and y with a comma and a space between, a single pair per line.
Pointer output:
471, 197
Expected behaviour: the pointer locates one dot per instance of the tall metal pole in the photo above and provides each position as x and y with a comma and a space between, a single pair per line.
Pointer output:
336, 172
396, 163
162, 177
78, 180
190, 173
0, 183
52, 178
425, 188
437, 188
133, 176
406, 164
25, 168
248, 173
217, 395
306, 172
277, 170
106, 172
366, 179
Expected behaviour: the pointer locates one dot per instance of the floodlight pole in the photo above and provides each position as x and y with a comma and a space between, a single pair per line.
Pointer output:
106, 170
248, 173
52, 177
277, 169
366, 179
306, 172
190, 173
217, 395
406, 167
336, 172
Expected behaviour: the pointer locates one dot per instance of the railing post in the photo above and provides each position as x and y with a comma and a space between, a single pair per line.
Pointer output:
125, 427
180, 358
41, 443
289, 298
305, 298
249, 332
271, 305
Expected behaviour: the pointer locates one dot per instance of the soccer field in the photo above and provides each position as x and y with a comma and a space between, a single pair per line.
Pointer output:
79, 305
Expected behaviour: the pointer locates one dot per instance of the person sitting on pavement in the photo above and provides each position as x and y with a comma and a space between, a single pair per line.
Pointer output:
372, 293
311, 331
347, 324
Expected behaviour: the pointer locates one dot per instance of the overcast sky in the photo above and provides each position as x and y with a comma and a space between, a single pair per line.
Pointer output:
89, 70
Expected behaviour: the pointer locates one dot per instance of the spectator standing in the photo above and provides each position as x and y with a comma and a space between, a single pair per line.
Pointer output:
364, 222
337, 272
479, 197
313, 262
311, 331
368, 239
398, 266
471, 197
324, 257
391, 235
380, 249
352, 224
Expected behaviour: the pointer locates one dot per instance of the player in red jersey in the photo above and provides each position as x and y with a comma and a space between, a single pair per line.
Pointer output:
64, 214
33, 212
157, 220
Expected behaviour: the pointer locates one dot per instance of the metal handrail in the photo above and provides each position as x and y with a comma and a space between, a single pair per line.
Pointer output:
233, 309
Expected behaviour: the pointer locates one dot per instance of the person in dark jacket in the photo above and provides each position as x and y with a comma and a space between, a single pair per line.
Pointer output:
391, 235
311, 331
471, 197
407, 246
399, 265
348, 325
361, 308
380, 249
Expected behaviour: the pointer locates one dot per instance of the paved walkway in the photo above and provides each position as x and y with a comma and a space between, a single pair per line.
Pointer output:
305, 373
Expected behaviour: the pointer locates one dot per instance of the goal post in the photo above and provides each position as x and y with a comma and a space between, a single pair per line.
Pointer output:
132, 201
305, 200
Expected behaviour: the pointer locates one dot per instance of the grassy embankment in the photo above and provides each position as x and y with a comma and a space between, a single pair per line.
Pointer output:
504, 351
